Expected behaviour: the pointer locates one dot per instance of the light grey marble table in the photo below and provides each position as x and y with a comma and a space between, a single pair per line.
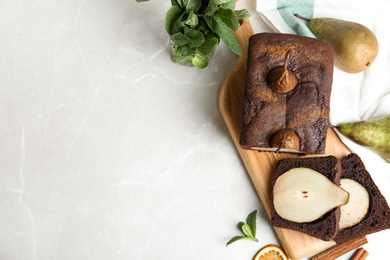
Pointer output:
108, 150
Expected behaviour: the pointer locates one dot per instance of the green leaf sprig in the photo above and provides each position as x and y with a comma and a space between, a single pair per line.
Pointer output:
197, 26
248, 229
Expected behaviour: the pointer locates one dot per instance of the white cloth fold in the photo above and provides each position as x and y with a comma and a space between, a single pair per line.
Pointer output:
355, 97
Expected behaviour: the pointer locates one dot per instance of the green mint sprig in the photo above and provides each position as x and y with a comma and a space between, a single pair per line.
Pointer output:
248, 229
197, 26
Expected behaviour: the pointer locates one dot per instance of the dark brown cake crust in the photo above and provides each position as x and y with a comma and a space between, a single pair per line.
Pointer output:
378, 215
304, 110
327, 226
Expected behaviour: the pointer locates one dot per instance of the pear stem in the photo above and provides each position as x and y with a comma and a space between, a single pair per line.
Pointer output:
301, 17
286, 59
280, 147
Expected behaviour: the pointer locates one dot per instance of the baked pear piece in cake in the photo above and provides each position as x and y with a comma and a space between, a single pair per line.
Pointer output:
287, 94
377, 215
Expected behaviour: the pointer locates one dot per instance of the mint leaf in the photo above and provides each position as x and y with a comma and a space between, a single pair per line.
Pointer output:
242, 14
199, 61
248, 228
180, 39
240, 224
186, 50
173, 2
192, 5
173, 19
192, 20
208, 46
195, 38
251, 221
229, 18
236, 238
222, 30
229, 5
214, 5
179, 59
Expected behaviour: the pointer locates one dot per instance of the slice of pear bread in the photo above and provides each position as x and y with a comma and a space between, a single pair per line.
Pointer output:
326, 226
377, 217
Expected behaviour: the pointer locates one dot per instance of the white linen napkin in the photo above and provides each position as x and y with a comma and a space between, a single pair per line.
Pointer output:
354, 97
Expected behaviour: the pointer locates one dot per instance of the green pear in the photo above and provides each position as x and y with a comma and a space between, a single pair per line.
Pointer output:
355, 46
374, 134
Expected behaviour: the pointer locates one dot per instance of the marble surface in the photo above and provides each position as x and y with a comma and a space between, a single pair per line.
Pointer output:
111, 151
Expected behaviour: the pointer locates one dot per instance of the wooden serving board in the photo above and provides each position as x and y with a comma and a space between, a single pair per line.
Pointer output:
261, 165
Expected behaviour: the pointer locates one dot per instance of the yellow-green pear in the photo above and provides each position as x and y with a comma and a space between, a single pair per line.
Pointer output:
355, 46
374, 134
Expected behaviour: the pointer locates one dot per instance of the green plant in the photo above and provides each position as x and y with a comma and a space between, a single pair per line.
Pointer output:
248, 229
197, 26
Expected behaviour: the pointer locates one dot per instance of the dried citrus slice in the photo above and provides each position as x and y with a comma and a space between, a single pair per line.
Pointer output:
271, 252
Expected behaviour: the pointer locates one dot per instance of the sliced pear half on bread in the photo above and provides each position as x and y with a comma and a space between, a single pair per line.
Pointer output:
357, 207
305, 195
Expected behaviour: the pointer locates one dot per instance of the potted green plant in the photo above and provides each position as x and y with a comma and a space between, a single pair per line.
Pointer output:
197, 26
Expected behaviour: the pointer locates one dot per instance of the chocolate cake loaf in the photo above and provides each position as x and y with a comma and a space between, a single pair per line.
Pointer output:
327, 226
288, 86
377, 217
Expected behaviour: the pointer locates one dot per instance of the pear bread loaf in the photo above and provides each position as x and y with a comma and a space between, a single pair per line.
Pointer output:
287, 94
327, 226
377, 217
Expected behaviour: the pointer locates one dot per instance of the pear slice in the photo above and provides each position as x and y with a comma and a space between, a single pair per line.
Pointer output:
304, 195
357, 207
